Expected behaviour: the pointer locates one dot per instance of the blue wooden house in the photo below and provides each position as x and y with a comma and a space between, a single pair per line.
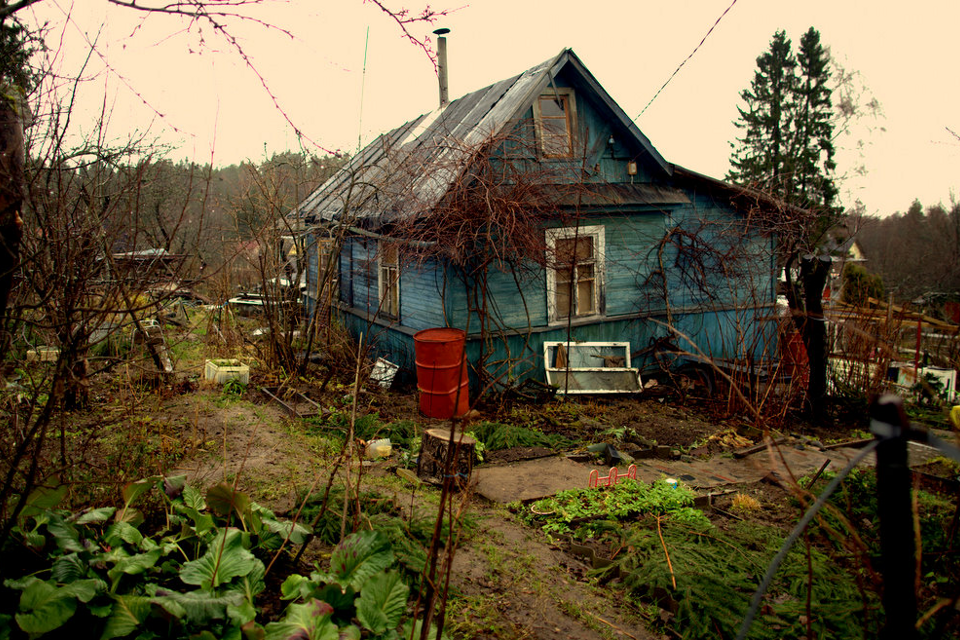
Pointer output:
534, 212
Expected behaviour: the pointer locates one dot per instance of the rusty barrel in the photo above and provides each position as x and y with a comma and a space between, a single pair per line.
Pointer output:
442, 372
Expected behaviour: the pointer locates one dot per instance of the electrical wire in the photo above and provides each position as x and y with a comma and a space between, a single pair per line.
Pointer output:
695, 49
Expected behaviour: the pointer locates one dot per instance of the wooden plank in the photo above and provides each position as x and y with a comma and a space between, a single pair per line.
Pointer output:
297, 404
743, 453
853, 444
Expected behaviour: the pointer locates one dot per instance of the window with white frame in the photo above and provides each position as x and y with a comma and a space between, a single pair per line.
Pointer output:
555, 114
388, 269
574, 272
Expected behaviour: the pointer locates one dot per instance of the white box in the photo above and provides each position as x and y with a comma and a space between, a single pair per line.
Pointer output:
222, 370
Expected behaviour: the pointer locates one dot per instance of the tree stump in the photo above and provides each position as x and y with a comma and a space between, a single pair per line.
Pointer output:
433, 457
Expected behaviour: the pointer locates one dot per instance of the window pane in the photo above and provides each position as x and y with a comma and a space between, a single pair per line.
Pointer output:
555, 127
389, 253
585, 301
556, 146
552, 107
563, 299
564, 250
584, 250
390, 302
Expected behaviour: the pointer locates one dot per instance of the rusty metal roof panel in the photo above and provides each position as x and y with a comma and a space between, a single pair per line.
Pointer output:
411, 168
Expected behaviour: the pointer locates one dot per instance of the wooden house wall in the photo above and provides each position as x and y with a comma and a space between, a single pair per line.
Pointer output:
726, 314
594, 160
358, 274
732, 266
424, 291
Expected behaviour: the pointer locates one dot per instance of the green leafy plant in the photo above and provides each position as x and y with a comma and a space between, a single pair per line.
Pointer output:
585, 512
359, 585
234, 387
201, 573
496, 436
409, 534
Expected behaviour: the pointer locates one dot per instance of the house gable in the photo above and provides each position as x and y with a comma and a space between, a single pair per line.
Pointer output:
613, 201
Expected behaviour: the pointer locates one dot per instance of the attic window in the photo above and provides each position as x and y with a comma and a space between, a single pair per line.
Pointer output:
555, 114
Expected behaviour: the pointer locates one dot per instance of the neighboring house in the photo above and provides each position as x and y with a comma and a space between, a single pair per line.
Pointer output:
535, 210
841, 251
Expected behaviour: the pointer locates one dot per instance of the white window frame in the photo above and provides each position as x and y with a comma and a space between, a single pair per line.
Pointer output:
598, 376
383, 267
570, 99
597, 232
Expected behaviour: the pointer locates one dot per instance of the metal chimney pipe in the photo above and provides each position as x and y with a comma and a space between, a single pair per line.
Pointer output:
442, 65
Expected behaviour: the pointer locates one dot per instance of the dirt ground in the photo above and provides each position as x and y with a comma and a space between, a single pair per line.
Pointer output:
510, 581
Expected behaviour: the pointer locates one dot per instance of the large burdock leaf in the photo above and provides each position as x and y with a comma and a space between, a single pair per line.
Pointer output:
96, 515
310, 621
358, 557
133, 565
42, 499
224, 560
68, 568
44, 607
382, 602
128, 613
193, 498
224, 500
198, 607
132, 491
121, 532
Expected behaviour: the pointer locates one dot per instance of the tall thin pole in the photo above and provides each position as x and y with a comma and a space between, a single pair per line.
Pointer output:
894, 507
363, 82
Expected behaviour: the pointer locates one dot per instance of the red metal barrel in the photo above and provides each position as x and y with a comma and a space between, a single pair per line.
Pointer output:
442, 372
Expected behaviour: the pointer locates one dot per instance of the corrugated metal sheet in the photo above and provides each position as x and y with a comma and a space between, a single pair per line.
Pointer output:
408, 170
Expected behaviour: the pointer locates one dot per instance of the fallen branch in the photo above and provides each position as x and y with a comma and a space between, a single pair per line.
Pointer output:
673, 578
611, 625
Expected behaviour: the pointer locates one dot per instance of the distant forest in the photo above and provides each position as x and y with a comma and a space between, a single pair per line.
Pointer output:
916, 253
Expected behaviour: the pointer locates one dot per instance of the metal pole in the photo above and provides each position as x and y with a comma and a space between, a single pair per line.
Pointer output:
889, 424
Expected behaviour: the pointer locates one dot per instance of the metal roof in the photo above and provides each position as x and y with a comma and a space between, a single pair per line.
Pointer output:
408, 170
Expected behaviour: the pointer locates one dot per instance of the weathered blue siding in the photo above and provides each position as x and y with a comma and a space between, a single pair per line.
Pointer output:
688, 269
358, 274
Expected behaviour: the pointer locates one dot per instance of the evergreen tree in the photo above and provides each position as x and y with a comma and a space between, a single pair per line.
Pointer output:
813, 126
761, 160
786, 152
787, 144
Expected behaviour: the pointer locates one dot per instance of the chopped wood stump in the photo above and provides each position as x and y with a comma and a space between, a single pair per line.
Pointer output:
433, 457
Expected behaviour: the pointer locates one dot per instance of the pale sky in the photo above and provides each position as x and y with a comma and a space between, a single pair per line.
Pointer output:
214, 107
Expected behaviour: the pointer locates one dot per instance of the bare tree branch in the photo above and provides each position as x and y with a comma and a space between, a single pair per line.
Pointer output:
6, 11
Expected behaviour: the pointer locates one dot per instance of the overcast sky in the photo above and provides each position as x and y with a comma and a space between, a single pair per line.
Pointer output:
212, 106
